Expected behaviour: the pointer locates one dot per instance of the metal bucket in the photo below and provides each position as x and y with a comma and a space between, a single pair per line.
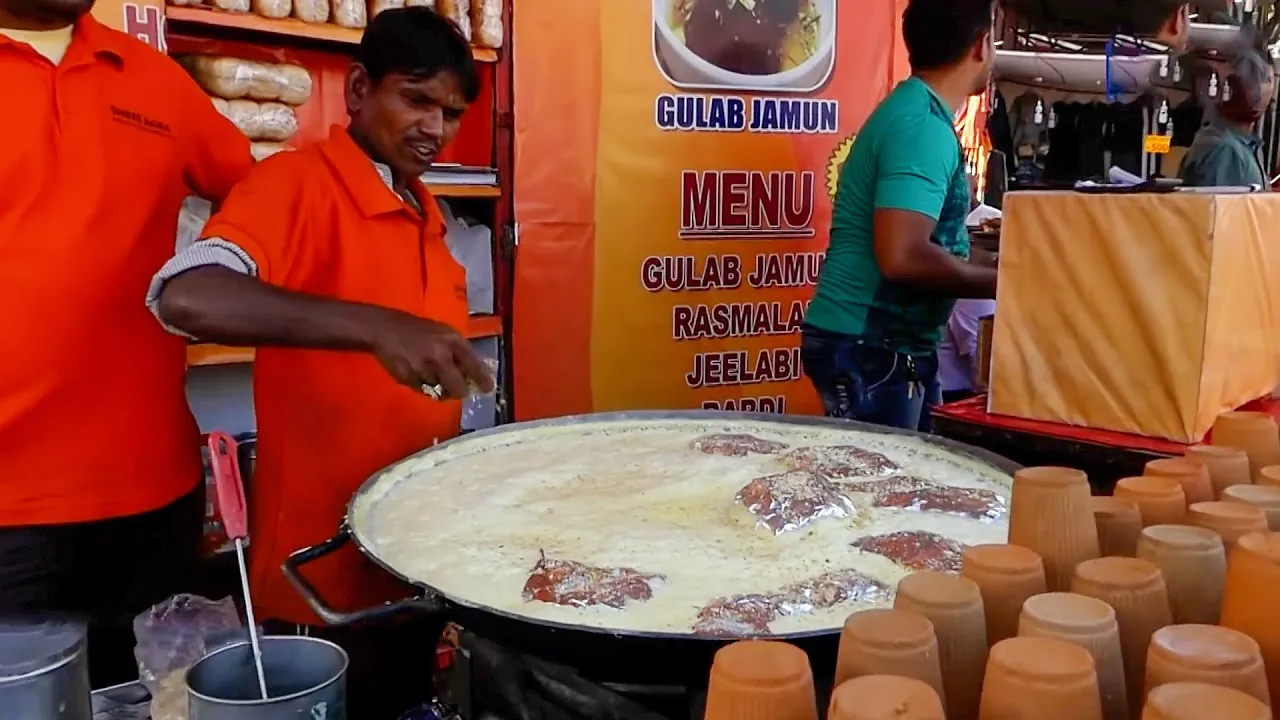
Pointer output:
44, 672
306, 680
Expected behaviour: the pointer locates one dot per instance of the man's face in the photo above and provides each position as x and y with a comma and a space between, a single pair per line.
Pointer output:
44, 14
1268, 91
983, 60
406, 119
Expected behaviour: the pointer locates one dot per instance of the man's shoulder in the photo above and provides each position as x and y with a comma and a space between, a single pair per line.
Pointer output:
136, 55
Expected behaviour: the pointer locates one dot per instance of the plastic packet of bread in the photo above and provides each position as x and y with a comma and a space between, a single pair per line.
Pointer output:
350, 13
247, 116
220, 105
486, 23
295, 84
277, 122
376, 7
459, 11
263, 150
420, 3
274, 9
224, 77
315, 12
239, 6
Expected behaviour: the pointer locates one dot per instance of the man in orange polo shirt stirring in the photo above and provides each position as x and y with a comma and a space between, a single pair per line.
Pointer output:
101, 498
332, 260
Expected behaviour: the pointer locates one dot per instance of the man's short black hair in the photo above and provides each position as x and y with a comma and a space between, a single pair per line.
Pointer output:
417, 41
938, 33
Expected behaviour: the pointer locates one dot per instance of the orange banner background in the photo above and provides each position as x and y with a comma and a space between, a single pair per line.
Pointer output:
598, 190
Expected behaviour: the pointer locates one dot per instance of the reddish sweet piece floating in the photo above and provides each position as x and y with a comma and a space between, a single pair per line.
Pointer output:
565, 582
736, 445
915, 549
792, 500
750, 615
840, 462
969, 502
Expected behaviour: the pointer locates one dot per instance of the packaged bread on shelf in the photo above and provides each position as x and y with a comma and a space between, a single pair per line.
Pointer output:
350, 13
459, 11
237, 6
377, 6
295, 85
420, 3
263, 150
220, 105
247, 116
315, 12
486, 23
277, 122
223, 77
274, 9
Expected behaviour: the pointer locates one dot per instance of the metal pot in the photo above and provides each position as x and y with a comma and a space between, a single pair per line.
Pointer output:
44, 672
306, 680
635, 657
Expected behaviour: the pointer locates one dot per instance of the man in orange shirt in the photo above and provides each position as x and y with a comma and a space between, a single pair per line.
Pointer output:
101, 492
332, 260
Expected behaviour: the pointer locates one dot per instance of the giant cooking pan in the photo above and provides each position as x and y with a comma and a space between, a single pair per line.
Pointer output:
602, 654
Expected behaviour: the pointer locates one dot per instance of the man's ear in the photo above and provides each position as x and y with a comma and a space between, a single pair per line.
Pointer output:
1175, 29
358, 87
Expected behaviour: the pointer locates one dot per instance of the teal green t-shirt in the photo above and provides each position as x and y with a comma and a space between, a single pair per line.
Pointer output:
1222, 155
906, 157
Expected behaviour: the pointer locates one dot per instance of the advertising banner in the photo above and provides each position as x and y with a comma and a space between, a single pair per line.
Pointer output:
674, 170
143, 19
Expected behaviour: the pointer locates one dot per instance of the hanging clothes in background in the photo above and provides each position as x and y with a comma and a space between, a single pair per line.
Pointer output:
1187, 117
1125, 130
1062, 143
1031, 119
1000, 131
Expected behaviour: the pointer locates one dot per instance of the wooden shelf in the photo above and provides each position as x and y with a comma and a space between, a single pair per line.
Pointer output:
464, 191
206, 354
289, 27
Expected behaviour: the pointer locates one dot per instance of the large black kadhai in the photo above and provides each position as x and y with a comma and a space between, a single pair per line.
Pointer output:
602, 655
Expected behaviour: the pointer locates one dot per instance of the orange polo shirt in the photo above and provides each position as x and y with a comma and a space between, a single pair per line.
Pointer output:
97, 154
322, 221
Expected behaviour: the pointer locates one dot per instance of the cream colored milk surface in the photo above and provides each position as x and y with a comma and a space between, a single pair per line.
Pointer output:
470, 519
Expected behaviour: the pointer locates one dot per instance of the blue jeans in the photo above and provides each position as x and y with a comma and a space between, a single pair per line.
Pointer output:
857, 381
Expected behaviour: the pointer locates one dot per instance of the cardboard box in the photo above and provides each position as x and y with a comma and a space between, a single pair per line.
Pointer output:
1141, 313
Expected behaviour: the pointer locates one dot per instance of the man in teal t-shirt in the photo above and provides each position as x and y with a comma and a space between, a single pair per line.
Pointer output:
1228, 150
899, 249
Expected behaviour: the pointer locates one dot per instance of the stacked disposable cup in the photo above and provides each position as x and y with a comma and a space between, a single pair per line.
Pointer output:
1036, 678
953, 604
890, 642
1090, 624
1191, 474
1136, 590
1227, 466
1193, 562
1161, 500
1254, 432
885, 697
1208, 654
1006, 575
761, 680
1265, 497
1231, 520
1119, 525
1050, 513
1251, 597
1199, 701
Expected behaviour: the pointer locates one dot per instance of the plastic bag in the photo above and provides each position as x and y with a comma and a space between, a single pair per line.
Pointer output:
221, 106
263, 150
240, 6
486, 23
173, 636
275, 9
295, 84
459, 11
223, 77
376, 7
277, 122
311, 11
420, 3
245, 115
350, 13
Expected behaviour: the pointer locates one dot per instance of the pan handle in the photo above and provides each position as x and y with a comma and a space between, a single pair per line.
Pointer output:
291, 568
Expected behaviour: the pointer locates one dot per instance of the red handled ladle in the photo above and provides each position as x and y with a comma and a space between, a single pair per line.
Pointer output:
235, 521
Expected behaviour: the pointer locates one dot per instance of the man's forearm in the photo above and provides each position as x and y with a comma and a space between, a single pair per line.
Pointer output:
934, 269
217, 304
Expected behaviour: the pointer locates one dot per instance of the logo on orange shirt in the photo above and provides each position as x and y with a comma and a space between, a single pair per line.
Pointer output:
142, 122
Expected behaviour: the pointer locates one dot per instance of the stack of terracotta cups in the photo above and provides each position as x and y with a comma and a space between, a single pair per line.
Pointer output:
761, 680
1040, 678
1254, 433
1251, 597
1006, 575
1200, 701
1051, 514
885, 697
1207, 654
1191, 474
1090, 624
1227, 466
1263, 497
1193, 562
953, 605
1231, 520
1119, 523
1160, 500
890, 642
